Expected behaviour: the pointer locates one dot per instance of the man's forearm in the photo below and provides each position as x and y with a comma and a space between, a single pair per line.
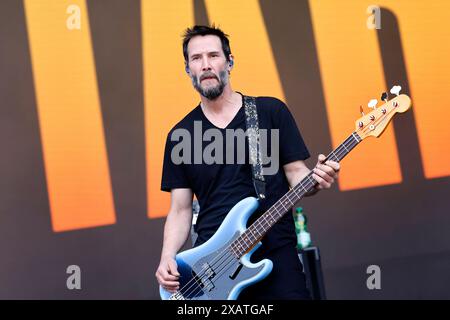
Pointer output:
176, 232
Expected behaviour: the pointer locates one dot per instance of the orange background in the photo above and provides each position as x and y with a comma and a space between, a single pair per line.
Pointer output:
68, 107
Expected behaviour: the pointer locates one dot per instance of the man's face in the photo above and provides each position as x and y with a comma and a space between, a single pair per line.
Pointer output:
208, 67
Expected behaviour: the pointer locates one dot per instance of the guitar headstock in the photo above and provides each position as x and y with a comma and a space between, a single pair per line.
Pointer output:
376, 121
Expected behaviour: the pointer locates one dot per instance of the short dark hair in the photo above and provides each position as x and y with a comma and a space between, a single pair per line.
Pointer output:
203, 31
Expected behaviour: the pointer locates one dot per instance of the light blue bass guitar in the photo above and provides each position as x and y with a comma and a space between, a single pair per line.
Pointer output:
220, 268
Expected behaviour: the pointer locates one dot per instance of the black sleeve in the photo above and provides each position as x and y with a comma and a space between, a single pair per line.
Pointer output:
173, 175
292, 146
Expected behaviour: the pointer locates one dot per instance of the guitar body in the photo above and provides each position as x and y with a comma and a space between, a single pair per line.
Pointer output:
210, 271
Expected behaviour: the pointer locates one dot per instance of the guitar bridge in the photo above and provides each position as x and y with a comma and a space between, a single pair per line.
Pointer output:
206, 274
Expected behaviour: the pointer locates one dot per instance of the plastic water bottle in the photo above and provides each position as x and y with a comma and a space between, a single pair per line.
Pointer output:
303, 236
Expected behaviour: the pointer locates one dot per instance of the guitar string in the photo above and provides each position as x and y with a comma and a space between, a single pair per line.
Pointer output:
202, 277
228, 261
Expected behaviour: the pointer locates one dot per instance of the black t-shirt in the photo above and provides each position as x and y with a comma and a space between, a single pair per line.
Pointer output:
218, 187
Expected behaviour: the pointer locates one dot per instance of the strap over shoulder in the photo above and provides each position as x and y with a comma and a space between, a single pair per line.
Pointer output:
252, 125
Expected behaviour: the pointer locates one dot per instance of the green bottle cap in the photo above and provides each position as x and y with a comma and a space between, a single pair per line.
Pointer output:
299, 210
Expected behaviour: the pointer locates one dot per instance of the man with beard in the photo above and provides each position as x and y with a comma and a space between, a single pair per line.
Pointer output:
219, 186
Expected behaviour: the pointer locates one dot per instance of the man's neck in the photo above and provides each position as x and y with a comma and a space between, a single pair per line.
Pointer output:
222, 103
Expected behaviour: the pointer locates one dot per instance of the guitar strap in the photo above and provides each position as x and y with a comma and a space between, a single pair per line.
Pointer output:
254, 146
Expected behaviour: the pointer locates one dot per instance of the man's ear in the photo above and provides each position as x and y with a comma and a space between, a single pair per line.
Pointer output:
186, 68
231, 60
230, 63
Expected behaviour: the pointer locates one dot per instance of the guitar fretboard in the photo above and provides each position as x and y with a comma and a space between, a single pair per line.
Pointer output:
259, 228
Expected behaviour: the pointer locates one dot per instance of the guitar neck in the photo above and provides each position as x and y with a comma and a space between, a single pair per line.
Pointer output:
259, 228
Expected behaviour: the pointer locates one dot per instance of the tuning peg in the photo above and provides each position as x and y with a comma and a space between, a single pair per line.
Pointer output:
384, 96
372, 104
396, 90
361, 110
